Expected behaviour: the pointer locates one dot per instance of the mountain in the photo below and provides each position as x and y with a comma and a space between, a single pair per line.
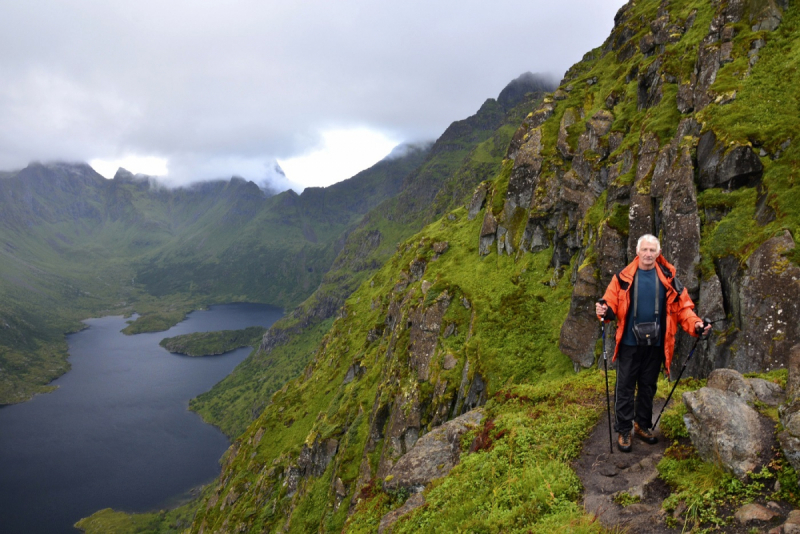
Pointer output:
467, 153
475, 342
76, 244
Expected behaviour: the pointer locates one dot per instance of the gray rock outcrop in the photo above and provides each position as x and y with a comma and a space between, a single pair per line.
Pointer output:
726, 431
433, 455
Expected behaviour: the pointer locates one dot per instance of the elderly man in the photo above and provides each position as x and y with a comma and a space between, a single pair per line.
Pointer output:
648, 302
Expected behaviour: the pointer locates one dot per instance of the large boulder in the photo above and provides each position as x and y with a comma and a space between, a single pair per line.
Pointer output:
433, 455
726, 431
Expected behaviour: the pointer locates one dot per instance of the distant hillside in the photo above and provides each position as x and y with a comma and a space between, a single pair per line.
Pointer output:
75, 244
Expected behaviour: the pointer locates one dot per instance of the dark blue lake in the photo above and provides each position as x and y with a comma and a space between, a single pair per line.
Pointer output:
117, 433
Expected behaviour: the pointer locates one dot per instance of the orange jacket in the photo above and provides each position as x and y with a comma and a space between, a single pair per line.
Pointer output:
680, 308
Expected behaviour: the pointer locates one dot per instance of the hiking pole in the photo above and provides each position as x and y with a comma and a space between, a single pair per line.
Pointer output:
706, 322
605, 365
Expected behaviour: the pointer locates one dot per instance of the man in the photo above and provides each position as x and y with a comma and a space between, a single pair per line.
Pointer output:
648, 302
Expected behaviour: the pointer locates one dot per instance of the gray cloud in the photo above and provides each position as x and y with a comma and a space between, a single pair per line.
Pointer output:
223, 88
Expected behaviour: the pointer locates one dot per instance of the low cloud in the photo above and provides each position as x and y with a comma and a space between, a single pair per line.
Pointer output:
228, 88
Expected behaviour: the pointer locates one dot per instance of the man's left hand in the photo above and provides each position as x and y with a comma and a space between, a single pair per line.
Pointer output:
702, 329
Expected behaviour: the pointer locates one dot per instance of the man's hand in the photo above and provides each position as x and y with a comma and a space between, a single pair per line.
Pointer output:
701, 328
600, 309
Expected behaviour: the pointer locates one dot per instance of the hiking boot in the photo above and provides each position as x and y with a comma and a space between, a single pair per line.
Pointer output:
644, 434
624, 441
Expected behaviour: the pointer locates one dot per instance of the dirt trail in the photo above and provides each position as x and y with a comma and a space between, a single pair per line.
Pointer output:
606, 474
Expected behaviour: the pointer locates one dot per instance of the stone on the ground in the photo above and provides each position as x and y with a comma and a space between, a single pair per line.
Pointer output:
726, 431
767, 392
733, 382
754, 512
433, 455
413, 502
792, 523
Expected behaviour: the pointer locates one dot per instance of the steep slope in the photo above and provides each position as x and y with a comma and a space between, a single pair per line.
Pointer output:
468, 152
681, 125
76, 245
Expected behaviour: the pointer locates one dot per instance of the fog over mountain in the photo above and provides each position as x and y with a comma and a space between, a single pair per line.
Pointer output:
221, 89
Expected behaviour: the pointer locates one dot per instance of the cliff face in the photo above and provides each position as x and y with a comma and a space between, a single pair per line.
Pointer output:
681, 125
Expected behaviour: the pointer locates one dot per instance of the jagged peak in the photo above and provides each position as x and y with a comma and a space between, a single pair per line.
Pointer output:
527, 82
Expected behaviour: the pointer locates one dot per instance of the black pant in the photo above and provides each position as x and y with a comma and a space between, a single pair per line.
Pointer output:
637, 371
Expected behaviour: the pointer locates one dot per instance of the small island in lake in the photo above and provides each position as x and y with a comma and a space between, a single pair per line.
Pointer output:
213, 343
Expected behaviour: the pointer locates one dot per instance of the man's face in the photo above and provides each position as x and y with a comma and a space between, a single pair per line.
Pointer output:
648, 252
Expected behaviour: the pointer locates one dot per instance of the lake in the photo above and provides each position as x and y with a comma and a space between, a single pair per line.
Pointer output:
117, 433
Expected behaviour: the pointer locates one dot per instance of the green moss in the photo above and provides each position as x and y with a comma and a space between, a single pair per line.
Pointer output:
619, 219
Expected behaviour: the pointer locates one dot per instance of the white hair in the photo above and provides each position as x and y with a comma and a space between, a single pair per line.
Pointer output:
650, 238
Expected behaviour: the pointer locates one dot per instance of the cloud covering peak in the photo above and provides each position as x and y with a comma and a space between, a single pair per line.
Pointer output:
217, 89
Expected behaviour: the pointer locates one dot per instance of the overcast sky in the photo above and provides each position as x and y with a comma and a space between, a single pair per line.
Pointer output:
206, 89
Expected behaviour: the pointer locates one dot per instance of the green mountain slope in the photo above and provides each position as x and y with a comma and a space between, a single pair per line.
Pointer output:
495, 310
467, 153
77, 245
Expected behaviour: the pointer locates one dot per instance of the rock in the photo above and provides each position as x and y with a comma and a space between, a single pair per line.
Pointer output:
711, 306
449, 362
649, 93
581, 327
525, 174
416, 269
611, 255
765, 15
402, 432
640, 215
680, 218
413, 502
767, 392
315, 459
793, 364
440, 247
792, 523
433, 455
754, 512
770, 308
353, 372
424, 333
478, 199
531, 122
726, 431
789, 439
488, 231
647, 44
706, 68
734, 167
733, 382
569, 118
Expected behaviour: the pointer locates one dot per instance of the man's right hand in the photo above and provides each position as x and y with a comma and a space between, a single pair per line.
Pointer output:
600, 309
